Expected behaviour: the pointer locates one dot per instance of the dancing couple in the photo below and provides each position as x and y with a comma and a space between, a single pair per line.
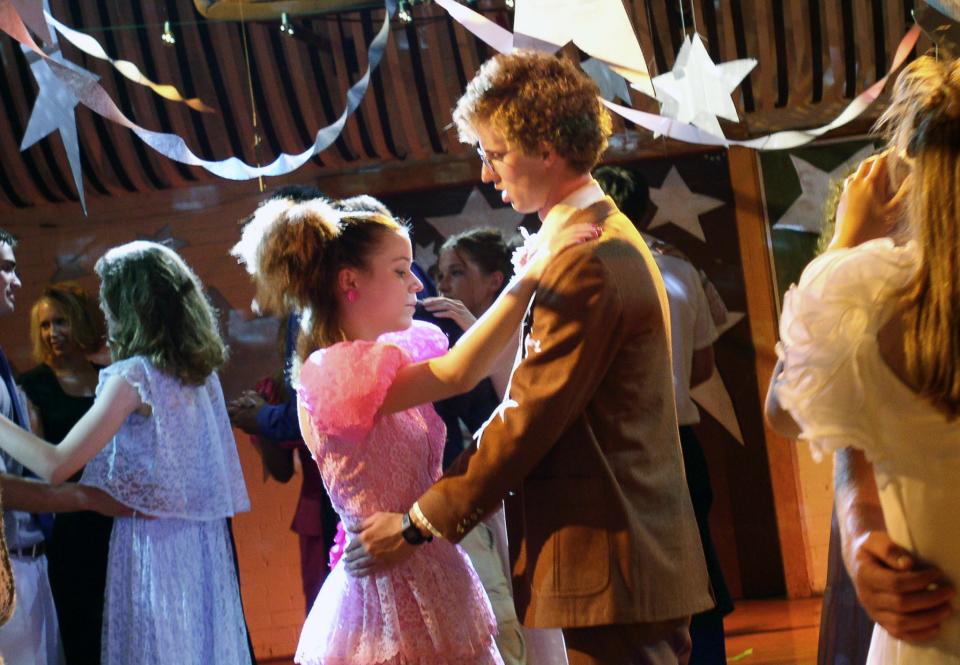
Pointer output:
584, 447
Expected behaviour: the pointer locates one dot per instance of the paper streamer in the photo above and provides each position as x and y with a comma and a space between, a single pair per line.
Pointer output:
487, 31
492, 34
92, 47
682, 131
94, 97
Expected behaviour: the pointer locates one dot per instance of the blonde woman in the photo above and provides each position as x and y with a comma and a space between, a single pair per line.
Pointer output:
872, 371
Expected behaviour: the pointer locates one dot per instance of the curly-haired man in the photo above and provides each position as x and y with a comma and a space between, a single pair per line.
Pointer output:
605, 543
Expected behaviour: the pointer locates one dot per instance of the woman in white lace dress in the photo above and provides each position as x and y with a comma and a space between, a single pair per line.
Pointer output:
158, 439
871, 356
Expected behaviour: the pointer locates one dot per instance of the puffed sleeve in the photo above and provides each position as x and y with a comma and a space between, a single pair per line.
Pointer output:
133, 371
343, 386
840, 303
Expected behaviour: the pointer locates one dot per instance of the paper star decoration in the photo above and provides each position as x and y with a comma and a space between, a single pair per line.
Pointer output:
712, 395
54, 107
165, 237
806, 213
425, 255
70, 264
611, 84
477, 213
679, 206
697, 91
733, 318
600, 28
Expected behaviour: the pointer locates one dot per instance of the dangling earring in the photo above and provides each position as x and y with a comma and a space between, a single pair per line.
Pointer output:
351, 295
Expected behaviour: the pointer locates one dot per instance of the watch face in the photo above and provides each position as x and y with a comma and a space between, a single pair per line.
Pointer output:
410, 532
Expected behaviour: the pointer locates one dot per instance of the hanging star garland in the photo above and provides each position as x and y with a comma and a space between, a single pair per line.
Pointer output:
697, 90
679, 206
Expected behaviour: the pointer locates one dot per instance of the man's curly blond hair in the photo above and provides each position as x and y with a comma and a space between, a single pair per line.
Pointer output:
536, 100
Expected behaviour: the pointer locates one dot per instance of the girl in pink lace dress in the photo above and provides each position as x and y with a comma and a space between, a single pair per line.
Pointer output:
365, 412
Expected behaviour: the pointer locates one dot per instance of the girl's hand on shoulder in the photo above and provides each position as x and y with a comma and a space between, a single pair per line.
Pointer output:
551, 244
448, 308
869, 208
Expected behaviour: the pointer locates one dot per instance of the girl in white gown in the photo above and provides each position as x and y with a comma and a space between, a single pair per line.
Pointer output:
871, 350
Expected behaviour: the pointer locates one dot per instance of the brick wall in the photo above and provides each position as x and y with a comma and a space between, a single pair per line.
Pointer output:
269, 558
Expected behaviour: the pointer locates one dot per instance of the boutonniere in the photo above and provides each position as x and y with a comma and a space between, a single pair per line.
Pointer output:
523, 254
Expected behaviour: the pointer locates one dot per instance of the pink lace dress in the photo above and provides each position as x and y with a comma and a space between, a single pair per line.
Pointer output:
431, 609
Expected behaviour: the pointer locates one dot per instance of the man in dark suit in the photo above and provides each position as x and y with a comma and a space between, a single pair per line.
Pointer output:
604, 540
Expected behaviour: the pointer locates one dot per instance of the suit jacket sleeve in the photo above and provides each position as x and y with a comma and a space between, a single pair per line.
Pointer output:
576, 323
279, 422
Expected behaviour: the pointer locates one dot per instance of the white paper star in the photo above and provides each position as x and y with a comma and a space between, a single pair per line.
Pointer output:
72, 264
425, 255
807, 213
600, 28
733, 318
54, 108
712, 395
677, 205
697, 90
478, 213
611, 84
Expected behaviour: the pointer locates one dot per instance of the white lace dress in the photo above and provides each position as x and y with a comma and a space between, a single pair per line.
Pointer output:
172, 594
842, 394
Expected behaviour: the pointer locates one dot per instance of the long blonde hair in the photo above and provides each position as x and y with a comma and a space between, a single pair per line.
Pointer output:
924, 123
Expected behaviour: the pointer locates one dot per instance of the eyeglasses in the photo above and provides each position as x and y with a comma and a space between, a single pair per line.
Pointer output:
489, 157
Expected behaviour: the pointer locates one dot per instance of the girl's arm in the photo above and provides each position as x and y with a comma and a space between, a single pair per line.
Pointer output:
473, 357
467, 363
91, 433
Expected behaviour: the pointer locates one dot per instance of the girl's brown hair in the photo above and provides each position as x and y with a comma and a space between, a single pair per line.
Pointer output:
155, 307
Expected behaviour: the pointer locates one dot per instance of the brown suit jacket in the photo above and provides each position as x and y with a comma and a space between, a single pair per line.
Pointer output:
586, 443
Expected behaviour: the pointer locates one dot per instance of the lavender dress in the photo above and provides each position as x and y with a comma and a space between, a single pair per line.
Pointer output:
172, 594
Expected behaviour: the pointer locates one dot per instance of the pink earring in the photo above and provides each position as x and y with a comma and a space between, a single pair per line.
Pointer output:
351, 296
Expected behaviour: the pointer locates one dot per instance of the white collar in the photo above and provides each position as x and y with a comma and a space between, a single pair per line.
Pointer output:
580, 198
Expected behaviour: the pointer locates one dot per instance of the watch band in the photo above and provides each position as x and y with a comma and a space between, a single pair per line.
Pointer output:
423, 521
411, 533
